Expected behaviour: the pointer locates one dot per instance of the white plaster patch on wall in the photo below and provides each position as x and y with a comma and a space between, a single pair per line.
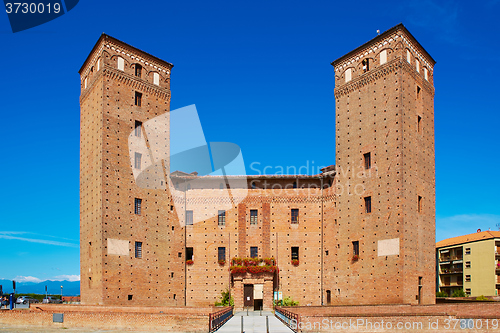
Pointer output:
118, 246
388, 247
258, 291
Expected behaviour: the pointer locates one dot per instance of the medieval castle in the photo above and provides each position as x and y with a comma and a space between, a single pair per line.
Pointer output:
360, 232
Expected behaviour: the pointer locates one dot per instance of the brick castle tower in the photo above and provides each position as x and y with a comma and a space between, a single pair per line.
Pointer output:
385, 207
121, 88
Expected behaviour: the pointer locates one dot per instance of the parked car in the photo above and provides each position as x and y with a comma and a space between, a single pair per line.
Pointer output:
50, 299
25, 300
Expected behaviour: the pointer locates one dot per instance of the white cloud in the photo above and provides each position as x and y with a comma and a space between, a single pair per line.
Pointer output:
457, 225
27, 279
8, 235
70, 278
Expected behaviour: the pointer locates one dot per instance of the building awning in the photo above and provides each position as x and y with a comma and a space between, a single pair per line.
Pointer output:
458, 261
444, 263
444, 251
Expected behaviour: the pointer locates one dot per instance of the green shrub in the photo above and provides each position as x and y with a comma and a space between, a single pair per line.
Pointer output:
481, 298
458, 293
442, 294
225, 301
287, 301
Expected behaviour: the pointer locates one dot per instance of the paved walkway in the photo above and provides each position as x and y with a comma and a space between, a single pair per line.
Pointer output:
254, 323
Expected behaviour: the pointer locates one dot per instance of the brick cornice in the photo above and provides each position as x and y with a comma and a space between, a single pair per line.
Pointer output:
378, 73
132, 81
127, 79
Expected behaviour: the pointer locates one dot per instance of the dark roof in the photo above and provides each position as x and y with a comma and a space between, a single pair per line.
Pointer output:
400, 26
104, 36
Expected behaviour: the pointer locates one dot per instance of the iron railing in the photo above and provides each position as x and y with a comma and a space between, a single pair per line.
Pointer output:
288, 318
217, 319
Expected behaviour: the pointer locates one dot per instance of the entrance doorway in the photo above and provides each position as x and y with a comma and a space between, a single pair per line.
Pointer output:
248, 295
257, 304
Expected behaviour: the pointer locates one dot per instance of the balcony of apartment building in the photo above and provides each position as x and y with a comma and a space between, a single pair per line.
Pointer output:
497, 250
450, 268
448, 281
453, 255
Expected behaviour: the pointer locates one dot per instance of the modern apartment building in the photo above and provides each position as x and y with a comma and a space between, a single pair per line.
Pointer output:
470, 262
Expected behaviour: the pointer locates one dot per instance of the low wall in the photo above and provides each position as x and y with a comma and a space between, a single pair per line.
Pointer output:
114, 317
441, 317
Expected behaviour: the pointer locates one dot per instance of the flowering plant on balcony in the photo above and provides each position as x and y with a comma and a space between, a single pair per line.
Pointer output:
252, 265
222, 262
238, 269
498, 265
355, 257
189, 262
295, 262
253, 262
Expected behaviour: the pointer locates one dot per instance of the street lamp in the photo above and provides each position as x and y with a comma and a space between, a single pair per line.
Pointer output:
61, 293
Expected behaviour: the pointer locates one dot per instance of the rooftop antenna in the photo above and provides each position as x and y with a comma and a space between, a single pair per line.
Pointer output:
378, 32
498, 226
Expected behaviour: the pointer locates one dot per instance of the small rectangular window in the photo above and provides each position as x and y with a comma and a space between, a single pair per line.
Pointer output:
222, 217
467, 250
138, 128
368, 160
156, 79
467, 278
137, 206
418, 92
85, 83
419, 124
189, 217
189, 253
366, 65
221, 254
467, 291
137, 160
417, 65
295, 215
253, 216
348, 75
419, 207
121, 64
138, 70
254, 252
383, 57
368, 204
130, 297
408, 56
138, 250
138, 98
355, 248
295, 253
467, 264
426, 74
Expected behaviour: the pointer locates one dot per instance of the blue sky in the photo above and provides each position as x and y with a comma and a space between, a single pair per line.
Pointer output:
259, 73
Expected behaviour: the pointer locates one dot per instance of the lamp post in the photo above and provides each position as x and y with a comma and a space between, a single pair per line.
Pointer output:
61, 292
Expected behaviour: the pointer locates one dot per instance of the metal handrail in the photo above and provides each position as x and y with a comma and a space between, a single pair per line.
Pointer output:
217, 319
287, 318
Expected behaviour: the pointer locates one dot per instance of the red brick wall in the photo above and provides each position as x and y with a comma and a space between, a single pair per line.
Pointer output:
109, 317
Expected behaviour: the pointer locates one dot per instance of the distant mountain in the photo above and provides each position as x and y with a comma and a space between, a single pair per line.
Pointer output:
70, 288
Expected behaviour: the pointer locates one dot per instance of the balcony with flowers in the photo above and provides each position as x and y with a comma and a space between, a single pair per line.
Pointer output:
244, 266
